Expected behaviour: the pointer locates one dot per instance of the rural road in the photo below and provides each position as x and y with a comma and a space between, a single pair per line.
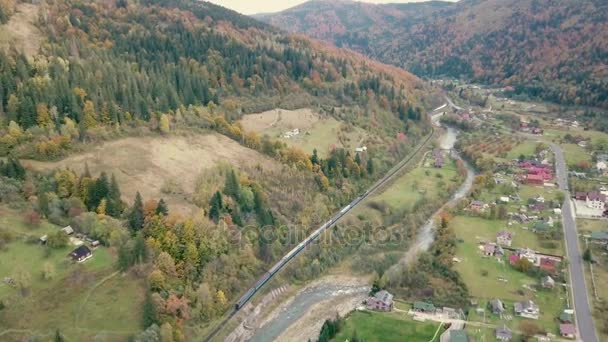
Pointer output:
584, 318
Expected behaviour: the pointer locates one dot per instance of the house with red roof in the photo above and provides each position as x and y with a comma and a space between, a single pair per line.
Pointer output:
532, 179
567, 330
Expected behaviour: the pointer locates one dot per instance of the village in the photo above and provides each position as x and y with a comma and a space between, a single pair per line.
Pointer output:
512, 253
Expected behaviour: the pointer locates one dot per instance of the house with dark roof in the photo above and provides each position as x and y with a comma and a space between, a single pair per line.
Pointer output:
540, 227
81, 254
458, 336
593, 199
503, 333
424, 307
477, 206
381, 301
599, 237
566, 317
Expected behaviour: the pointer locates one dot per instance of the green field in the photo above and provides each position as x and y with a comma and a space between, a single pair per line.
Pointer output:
574, 154
386, 327
527, 148
586, 226
81, 300
418, 183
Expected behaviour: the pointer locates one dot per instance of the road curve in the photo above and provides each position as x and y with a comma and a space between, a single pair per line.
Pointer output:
315, 234
584, 318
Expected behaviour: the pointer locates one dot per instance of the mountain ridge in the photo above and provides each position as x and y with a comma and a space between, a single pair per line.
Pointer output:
553, 49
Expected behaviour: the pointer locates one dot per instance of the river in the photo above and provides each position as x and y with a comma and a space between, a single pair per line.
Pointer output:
309, 297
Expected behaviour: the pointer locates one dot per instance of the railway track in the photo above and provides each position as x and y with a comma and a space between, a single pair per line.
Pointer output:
314, 235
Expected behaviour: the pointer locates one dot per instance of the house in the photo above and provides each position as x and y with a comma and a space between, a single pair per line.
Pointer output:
537, 206
566, 317
601, 166
537, 130
504, 199
503, 333
540, 227
600, 237
557, 211
43, 239
547, 282
548, 265
68, 230
382, 301
530, 255
504, 238
492, 249
497, 307
527, 309
567, 330
477, 206
424, 307
95, 244
81, 254
361, 149
458, 336
535, 180
593, 199
439, 158
602, 157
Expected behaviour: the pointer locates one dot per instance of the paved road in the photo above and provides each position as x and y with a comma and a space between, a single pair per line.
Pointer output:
586, 329
452, 104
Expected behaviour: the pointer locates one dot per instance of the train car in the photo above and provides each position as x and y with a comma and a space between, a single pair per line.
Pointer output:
244, 299
345, 209
262, 280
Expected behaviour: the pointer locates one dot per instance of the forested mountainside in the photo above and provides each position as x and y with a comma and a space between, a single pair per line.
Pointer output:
119, 62
552, 49
91, 71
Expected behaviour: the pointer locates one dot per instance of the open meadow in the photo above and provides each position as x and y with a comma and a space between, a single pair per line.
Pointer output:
80, 300
386, 327
313, 130
148, 164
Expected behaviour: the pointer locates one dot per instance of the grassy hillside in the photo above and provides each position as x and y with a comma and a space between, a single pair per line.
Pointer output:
553, 49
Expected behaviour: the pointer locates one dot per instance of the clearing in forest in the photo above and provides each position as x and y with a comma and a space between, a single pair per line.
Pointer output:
146, 164
306, 129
